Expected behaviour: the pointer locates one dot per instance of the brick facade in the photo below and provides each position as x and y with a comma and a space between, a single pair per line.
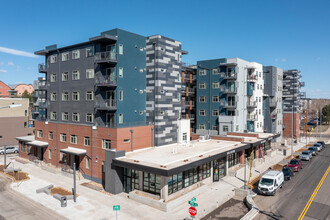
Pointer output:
287, 124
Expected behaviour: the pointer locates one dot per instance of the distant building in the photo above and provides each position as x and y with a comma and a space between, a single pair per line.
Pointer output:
22, 87
4, 90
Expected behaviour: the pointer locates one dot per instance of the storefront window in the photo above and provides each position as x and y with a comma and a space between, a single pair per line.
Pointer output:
175, 183
131, 179
151, 183
233, 159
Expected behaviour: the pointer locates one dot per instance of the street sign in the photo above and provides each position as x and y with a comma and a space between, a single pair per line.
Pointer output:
192, 202
116, 208
192, 211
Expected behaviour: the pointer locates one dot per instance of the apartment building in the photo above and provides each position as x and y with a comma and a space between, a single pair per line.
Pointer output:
292, 102
229, 96
273, 106
4, 90
39, 96
188, 93
14, 121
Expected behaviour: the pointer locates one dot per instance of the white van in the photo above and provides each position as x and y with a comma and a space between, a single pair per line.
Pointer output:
270, 182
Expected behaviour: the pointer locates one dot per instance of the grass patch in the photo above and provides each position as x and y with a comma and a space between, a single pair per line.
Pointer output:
15, 176
61, 191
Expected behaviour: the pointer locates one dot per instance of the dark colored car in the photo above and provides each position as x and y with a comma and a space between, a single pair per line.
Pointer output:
313, 149
295, 164
318, 146
322, 143
288, 173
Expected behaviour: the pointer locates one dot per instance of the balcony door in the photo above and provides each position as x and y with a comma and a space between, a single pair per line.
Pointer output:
110, 98
110, 120
110, 75
111, 49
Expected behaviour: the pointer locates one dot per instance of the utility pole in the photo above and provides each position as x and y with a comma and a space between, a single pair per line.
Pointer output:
74, 183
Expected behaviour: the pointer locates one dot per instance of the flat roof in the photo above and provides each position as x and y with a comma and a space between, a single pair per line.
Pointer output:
171, 159
38, 143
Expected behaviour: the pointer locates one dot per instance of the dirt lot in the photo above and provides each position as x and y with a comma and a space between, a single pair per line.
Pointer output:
60, 191
16, 176
232, 209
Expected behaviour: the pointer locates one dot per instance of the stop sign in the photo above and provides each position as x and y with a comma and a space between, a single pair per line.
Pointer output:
192, 211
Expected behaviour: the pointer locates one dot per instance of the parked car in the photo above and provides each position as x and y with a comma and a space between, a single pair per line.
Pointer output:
311, 123
296, 164
313, 149
306, 155
318, 146
288, 172
270, 182
322, 143
9, 150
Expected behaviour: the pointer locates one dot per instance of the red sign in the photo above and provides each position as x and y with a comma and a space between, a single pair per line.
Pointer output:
192, 211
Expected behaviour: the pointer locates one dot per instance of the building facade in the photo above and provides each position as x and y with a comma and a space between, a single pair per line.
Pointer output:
273, 106
4, 90
229, 96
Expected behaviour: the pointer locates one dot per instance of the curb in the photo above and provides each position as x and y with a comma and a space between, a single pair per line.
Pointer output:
254, 210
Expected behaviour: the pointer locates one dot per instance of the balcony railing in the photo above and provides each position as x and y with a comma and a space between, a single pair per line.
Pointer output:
187, 103
252, 78
272, 103
252, 117
105, 57
190, 90
192, 117
251, 104
42, 68
228, 105
106, 80
227, 90
273, 116
228, 75
106, 104
302, 84
42, 105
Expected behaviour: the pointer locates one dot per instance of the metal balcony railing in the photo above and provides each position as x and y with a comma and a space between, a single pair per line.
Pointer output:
228, 75
252, 78
227, 90
106, 80
42, 105
106, 57
190, 90
251, 104
106, 104
42, 68
252, 117
272, 103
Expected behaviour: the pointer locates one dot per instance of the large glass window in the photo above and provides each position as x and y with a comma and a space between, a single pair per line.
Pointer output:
233, 159
151, 183
175, 183
131, 179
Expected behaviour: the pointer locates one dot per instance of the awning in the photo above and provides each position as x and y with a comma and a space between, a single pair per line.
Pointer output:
74, 151
26, 138
38, 143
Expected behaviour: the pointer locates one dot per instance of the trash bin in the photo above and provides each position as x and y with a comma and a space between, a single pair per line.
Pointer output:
63, 201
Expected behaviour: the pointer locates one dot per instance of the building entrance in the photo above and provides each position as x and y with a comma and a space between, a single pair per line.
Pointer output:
219, 169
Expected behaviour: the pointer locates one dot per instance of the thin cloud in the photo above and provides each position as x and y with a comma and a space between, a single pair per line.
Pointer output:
10, 63
3, 71
1, 63
283, 60
17, 52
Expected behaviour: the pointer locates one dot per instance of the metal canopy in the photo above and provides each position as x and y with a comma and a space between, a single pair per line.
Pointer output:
38, 143
74, 151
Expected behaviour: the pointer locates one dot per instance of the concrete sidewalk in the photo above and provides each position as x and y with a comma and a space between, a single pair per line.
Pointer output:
92, 204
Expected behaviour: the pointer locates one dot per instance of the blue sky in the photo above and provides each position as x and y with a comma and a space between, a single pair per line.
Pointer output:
288, 34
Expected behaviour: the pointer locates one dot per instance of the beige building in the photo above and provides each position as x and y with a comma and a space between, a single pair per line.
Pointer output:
14, 122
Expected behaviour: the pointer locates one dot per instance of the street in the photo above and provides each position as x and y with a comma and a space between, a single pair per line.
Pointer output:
13, 205
291, 200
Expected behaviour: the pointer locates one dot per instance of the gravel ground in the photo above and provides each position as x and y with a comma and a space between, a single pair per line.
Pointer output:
232, 209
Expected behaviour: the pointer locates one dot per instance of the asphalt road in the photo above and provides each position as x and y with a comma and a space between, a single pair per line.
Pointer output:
13, 205
291, 200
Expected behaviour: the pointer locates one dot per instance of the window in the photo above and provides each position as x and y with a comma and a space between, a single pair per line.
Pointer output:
50, 135
53, 77
75, 116
131, 179
63, 137
202, 126
65, 56
202, 72
216, 85
53, 116
50, 154
65, 76
259, 111
89, 117
225, 128
237, 128
25, 113
202, 85
75, 96
233, 159
215, 112
121, 95
90, 51
89, 74
179, 97
127, 140
215, 99
215, 71
88, 161
151, 183
65, 116
23, 147
202, 113
25, 124
202, 99
121, 72
90, 96
73, 139
184, 136
214, 127
121, 118
39, 134
53, 96
106, 144
121, 49
75, 75
53, 58
175, 183
87, 141
75, 54
259, 99
65, 96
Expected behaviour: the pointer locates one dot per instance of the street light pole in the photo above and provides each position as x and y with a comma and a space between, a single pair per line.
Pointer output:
292, 115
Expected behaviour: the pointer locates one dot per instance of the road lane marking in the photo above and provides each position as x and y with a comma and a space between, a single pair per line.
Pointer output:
303, 213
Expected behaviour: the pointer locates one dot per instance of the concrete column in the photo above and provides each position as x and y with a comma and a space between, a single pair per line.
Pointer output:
256, 152
242, 157
211, 180
140, 180
227, 166
113, 174
164, 188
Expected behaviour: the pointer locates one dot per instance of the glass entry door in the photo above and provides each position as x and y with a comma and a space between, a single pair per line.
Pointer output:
219, 169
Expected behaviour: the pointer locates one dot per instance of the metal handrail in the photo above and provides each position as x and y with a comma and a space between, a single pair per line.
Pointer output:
104, 56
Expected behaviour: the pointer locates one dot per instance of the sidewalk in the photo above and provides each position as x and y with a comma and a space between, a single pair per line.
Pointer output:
92, 204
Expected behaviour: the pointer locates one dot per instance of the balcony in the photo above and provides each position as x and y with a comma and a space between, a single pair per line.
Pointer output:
228, 90
106, 105
251, 104
42, 105
42, 85
105, 57
252, 78
227, 76
192, 117
272, 103
191, 90
273, 116
187, 104
230, 105
42, 68
303, 95
106, 81
252, 117
302, 84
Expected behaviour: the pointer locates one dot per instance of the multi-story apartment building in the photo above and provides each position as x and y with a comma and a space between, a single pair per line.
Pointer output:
273, 106
14, 121
291, 102
164, 68
4, 90
39, 111
188, 93
229, 96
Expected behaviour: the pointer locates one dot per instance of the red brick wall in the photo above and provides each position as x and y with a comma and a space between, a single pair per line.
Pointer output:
243, 134
287, 122
227, 138
4, 90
